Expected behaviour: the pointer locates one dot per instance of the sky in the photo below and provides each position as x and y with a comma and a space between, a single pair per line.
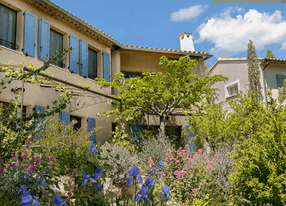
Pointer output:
223, 30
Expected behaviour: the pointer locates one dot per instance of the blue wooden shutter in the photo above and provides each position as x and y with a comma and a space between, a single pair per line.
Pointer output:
106, 66
90, 126
29, 34
44, 39
279, 79
135, 128
65, 117
73, 60
189, 136
40, 120
83, 58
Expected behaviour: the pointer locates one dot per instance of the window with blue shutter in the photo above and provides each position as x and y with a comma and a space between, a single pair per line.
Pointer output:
279, 79
90, 126
73, 60
134, 129
29, 34
44, 39
92, 64
189, 136
56, 46
64, 117
106, 66
41, 110
83, 58
7, 27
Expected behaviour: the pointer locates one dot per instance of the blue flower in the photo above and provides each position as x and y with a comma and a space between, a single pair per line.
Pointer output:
23, 188
99, 187
99, 171
27, 199
92, 148
153, 171
86, 177
134, 172
44, 181
165, 192
142, 193
59, 201
161, 164
148, 182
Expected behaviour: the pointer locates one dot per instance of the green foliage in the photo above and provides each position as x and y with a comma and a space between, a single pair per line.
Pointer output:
253, 72
269, 54
65, 146
159, 94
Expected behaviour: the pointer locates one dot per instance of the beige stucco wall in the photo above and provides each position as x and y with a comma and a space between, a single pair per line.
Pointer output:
36, 95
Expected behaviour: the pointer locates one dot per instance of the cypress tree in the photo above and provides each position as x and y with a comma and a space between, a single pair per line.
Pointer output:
253, 72
269, 54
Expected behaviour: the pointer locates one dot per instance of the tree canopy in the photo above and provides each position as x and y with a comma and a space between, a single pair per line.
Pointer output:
160, 94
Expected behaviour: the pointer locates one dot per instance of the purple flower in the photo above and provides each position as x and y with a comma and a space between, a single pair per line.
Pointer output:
148, 182
23, 188
59, 201
142, 193
92, 148
86, 177
134, 172
99, 171
99, 187
161, 164
165, 192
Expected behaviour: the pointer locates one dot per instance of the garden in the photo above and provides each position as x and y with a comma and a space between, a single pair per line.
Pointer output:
238, 158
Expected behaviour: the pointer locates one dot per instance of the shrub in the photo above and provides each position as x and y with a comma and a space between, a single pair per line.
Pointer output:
193, 177
121, 160
65, 146
154, 147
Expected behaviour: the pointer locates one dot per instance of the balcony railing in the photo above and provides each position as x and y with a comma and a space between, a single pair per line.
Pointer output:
8, 44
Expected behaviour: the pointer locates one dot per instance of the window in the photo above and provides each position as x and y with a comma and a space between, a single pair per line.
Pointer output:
92, 64
56, 45
232, 89
279, 79
8, 27
76, 121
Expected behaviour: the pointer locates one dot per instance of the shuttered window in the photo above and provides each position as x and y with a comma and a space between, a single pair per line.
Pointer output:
91, 122
7, 27
73, 60
29, 34
106, 66
56, 45
279, 80
83, 58
44, 40
76, 122
92, 64
64, 117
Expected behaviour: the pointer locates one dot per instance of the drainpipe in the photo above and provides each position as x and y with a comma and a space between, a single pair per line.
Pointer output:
264, 85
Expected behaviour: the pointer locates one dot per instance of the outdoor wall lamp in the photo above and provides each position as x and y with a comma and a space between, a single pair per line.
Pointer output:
17, 90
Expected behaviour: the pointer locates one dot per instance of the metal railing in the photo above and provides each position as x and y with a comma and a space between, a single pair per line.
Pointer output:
8, 44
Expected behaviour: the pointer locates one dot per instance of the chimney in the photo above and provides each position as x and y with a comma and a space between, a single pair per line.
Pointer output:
186, 41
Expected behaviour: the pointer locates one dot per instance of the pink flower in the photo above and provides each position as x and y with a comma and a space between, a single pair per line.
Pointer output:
204, 154
215, 156
31, 168
48, 159
7, 165
38, 160
222, 193
17, 163
11, 193
24, 154
176, 180
200, 150
195, 191
137, 147
13, 155
172, 177
151, 162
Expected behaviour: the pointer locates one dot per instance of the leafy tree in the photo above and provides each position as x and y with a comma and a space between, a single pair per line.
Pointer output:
160, 94
253, 72
16, 131
269, 54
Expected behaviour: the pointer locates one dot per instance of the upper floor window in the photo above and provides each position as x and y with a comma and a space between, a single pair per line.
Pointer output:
8, 27
92, 64
76, 121
56, 45
232, 89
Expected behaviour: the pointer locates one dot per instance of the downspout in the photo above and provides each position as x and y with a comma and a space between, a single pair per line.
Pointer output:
264, 85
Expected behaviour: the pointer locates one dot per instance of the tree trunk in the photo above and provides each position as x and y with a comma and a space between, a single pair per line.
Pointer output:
162, 125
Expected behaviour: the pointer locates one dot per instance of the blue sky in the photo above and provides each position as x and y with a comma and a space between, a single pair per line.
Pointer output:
222, 30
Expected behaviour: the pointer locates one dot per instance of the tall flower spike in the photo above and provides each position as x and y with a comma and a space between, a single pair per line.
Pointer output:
161, 164
165, 192
134, 172
91, 148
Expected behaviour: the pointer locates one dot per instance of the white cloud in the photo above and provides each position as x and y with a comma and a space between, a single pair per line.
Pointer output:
231, 35
188, 13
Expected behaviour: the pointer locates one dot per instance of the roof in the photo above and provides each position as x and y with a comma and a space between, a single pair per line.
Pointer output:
262, 61
111, 40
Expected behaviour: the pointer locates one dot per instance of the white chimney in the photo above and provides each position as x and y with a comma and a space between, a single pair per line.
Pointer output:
186, 41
